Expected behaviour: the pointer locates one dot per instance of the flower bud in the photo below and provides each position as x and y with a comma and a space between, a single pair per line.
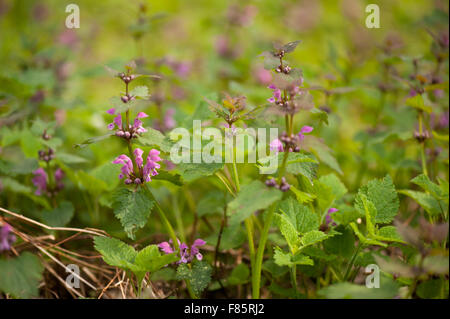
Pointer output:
124, 98
137, 181
120, 133
128, 181
127, 134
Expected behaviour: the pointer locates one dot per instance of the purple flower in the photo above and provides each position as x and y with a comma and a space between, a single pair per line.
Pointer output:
137, 126
276, 145
127, 165
304, 129
147, 170
328, 218
169, 121
7, 238
276, 94
187, 254
40, 180
117, 120
151, 166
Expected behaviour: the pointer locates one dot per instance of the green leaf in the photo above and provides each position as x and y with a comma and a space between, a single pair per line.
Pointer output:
289, 232
302, 197
193, 171
59, 216
434, 189
426, 201
155, 138
175, 179
24, 167
313, 237
287, 259
389, 233
344, 290
383, 195
298, 163
291, 46
432, 289
337, 187
239, 275
245, 204
299, 215
369, 210
30, 144
92, 140
132, 208
150, 259
199, 276
115, 252
212, 203
20, 276
417, 103
341, 245
364, 239
70, 158
140, 92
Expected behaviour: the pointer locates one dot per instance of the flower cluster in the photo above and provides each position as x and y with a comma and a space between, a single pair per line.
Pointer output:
142, 173
290, 143
7, 238
187, 254
282, 186
132, 131
46, 156
40, 180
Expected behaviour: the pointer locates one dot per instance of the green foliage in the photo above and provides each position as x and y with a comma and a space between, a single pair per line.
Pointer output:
382, 194
117, 253
199, 275
132, 207
244, 204
21, 275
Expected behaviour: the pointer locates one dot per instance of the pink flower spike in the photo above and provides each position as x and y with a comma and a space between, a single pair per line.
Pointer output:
118, 120
141, 115
276, 145
165, 247
111, 111
138, 157
306, 129
198, 242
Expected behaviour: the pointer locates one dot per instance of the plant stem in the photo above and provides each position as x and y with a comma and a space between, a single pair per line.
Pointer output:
248, 221
256, 274
293, 271
172, 234
352, 261
422, 146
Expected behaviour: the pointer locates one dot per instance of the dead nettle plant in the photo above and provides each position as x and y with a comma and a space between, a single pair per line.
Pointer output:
134, 201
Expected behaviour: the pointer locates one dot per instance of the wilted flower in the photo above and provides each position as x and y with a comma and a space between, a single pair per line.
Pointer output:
143, 172
186, 254
7, 238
